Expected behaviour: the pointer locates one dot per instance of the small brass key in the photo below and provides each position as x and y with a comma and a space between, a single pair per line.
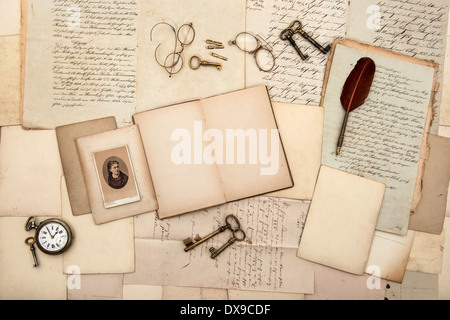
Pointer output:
236, 233
30, 242
230, 221
196, 62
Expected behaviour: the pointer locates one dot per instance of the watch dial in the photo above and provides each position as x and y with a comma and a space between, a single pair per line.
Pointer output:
53, 237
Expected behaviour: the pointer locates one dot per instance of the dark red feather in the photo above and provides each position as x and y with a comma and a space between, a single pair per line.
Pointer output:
358, 84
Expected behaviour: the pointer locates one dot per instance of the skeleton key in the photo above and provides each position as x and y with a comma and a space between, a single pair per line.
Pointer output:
229, 220
196, 62
300, 30
287, 34
216, 252
30, 242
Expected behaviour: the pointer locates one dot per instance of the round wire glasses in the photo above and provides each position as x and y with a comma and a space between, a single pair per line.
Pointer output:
173, 61
258, 47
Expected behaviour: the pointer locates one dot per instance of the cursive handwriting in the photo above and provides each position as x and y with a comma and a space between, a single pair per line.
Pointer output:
294, 80
94, 53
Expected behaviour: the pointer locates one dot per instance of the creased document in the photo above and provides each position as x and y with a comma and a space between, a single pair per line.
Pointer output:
265, 261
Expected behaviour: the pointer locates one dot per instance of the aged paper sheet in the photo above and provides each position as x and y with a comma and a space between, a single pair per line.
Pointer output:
19, 280
266, 261
384, 136
294, 80
217, 20
111, 245
341, 221
9, 17
301, 134
80, 62
389, 255
404, 26
333, 284
430, 212
427, 253
30, 172
10, 80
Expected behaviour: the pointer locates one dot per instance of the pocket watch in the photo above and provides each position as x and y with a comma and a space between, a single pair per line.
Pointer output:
53, 236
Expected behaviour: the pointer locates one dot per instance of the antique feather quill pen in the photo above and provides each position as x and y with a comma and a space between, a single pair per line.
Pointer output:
355, 91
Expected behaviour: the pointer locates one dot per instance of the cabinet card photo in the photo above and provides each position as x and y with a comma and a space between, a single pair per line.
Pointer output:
115, 174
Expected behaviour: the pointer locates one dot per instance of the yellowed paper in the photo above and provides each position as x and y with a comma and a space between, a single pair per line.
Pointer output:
376, 145
341, 221
142, 292
10, 81
157, 127
80, 62
415, 286
97, 249
427, 253
260, 295
389, 255
208, 19
132, 195
301, 133
228, 144
31, 170
444, 277
20, 281
97, 287
9, 17
191, 293
273, 227
333, 284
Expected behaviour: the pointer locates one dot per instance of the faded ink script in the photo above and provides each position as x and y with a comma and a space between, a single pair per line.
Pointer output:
266, 260
411, 27
94, 52
384, 136
294, 80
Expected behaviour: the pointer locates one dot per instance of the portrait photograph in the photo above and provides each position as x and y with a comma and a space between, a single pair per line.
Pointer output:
116, 176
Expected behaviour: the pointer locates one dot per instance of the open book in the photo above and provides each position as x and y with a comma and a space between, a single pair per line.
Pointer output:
186, 157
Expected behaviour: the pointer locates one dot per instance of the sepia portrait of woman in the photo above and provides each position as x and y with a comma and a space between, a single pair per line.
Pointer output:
117, 179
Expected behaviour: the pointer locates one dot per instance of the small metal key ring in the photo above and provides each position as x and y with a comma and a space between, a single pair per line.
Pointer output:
298, 29
193, 60
234, 220
239, 231
30, 241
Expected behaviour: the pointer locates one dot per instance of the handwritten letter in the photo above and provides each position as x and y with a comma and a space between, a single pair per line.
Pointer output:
411, 27
81, 61
265, 261
294, 80
384, 136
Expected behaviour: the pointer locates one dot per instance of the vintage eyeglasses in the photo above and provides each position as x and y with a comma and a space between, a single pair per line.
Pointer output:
261, 50
184, 36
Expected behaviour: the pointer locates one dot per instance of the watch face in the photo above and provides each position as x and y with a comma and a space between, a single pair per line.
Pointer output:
53, 236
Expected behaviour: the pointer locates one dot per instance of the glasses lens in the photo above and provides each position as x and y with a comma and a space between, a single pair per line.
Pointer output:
265, 60
173, 63
186, 34
247, 42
